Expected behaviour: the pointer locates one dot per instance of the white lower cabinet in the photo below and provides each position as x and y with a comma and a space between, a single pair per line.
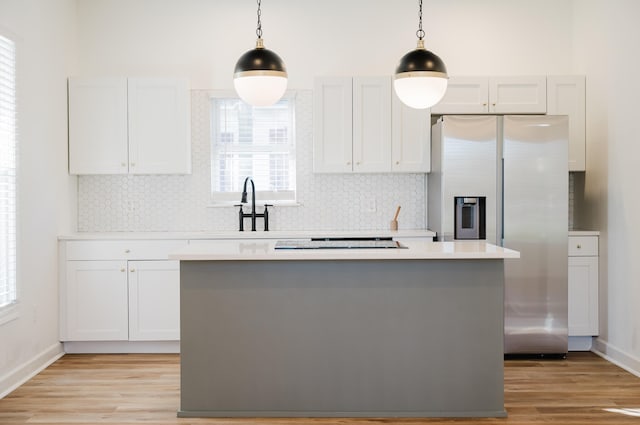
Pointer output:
96, 301
154, 300
583, 286
119, 291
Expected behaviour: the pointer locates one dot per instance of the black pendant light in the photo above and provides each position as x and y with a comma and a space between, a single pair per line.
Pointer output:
421, 78
260, 77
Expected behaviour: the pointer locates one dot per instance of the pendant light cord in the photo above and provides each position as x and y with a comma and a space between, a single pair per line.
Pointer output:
419, 33
259, 27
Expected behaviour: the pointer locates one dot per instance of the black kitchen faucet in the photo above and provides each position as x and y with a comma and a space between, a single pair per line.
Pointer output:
242, 215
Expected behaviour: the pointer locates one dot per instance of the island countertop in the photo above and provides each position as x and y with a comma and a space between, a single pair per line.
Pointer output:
238, 250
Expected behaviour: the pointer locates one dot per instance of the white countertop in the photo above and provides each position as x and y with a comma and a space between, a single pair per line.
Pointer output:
264, 249
279, 234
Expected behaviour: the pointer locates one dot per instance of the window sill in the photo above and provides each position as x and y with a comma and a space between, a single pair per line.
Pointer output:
8, 313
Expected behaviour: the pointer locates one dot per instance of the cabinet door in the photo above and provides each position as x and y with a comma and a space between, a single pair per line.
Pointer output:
372, 124
464, 95
566, 96
96, 301
332, 125
98, 126
583, 296
518, 95
159, 136
154, 300
411, 139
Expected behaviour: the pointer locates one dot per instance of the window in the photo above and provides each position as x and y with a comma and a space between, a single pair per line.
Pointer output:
248, 141
7, 172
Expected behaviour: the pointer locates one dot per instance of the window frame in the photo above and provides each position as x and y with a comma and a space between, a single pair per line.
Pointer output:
9, 172
278, 197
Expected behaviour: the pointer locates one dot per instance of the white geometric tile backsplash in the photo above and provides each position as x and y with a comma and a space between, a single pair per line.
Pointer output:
129, 203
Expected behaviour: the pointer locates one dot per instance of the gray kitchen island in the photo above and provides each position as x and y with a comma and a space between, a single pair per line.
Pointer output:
414, 332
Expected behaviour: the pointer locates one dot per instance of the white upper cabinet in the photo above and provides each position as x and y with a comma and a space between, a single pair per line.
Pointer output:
518, 95
494, 95
566, 96
372, 124
360, 126
98, 126
411, 138
129, 126
332, 125
464, 95
159, 116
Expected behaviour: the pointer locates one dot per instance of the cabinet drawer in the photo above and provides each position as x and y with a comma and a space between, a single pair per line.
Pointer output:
122, 250
581, 246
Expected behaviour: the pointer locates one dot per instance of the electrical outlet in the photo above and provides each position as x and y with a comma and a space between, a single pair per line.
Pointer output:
370, 206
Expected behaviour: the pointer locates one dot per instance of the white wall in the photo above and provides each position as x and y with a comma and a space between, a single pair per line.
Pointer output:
44, 31
202, 39
608, 36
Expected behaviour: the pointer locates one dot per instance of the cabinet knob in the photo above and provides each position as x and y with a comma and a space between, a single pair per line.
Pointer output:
484, 104
126, 251
123, 164
132, 270
133, 164
122, 270
358, 163
397, 162
578, 246
348, 162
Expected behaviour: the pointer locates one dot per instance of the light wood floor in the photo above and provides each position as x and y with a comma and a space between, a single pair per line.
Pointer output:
137, 388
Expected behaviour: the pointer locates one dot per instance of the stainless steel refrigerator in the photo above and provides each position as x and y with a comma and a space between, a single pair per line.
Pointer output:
519, 164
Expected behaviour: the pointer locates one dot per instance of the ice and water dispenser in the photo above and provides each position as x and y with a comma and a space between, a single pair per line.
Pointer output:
470, 217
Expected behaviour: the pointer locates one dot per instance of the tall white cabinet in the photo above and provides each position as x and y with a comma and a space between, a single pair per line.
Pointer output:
129, 126
583, 284
566, 95
360, 126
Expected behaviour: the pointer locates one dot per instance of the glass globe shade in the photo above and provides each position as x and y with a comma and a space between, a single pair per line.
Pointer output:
420, 92
260, 90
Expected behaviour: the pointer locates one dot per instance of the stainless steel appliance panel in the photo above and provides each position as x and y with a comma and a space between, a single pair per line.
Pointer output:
535, 209
520, 164
464, 163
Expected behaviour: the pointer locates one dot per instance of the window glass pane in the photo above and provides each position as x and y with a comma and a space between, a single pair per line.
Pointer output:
7, 172
252, 142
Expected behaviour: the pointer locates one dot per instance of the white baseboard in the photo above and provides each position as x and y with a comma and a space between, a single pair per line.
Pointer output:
112, 347
618, 357
21, 374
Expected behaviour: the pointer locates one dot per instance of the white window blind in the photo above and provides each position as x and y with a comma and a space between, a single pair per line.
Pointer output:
248, 141
7, 172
